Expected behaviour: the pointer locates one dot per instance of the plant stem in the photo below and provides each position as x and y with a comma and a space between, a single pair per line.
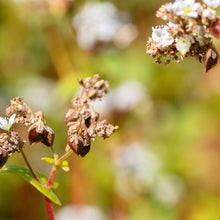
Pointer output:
50, 209
29, 166
56, 167
48, 201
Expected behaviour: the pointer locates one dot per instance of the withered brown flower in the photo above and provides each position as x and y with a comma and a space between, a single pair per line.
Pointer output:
82, 119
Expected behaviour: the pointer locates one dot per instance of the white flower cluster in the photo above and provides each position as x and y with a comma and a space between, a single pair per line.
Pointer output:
165, 36
102, 22
187, 31
138, 170
188, 8
193, 9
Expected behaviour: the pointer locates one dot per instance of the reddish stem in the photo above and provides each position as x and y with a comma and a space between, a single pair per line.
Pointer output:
48, 201
51, 177
50, 209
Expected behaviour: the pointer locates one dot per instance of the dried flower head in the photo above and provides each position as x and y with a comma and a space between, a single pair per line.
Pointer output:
187, 32
23, 112
10, 142
82, 120
38, 130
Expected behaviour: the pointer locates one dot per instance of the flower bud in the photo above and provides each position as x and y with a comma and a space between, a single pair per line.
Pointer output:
3, 157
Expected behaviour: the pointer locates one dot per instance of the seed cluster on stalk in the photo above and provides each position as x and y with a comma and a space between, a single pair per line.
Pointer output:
19, 112
38, 130
82, 120
187, 33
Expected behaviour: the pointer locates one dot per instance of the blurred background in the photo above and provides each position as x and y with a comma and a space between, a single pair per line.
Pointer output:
164, 161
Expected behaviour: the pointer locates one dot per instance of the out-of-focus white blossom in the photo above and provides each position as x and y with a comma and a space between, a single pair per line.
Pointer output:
169, 189
79, 212
102, 22
209, 13
183, 45
35, 88
128, 96
6, 124
125, 35
212, 3
137, 168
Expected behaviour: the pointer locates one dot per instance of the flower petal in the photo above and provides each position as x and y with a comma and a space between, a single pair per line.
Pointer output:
11, 120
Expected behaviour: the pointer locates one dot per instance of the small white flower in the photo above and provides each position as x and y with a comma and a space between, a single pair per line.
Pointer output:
6, 124
209, 13
162, 37
212, 3
183, 45
188, 8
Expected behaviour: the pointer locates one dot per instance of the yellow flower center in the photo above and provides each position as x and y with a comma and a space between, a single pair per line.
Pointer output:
187, 10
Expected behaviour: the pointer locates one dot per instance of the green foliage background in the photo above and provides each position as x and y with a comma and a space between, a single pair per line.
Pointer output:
39, 52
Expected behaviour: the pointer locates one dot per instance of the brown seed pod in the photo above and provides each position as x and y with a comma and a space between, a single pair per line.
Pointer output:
85, 150
48, 136
210, 59
3, 157
76, 143
44, 135
34, 135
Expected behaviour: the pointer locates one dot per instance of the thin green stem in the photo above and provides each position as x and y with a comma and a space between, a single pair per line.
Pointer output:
48, 201
29, 166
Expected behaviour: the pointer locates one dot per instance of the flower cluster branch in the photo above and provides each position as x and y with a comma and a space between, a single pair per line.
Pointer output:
83, 121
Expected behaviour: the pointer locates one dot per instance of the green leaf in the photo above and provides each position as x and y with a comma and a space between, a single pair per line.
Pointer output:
27, 175
48, 159
51, 161
44, 180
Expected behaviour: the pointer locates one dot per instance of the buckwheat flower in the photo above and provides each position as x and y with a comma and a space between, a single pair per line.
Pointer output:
212, 3
171, 7
183, 44
6, 124
209, 13
162, 37
188, 8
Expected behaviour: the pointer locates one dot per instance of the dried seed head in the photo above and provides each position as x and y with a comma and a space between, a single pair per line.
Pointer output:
23, 112
10, 142
39, 132
48, 136
209, 59
76, 143
71, 116
82, 120
3, 157
85, 150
